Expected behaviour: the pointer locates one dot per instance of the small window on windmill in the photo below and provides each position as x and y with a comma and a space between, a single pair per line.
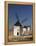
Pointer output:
17, 33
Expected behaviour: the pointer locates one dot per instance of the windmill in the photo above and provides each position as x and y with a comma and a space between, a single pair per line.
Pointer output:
19, 24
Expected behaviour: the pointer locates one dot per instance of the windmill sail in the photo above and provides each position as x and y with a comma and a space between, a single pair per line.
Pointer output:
18, 23
17, 17
24, 20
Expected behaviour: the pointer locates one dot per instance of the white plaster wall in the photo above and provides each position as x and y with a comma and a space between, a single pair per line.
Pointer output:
24, 29
28, 29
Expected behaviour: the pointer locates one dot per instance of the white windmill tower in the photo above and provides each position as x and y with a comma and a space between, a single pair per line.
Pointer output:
17, 27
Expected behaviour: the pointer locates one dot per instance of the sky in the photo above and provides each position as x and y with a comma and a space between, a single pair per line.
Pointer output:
24, 13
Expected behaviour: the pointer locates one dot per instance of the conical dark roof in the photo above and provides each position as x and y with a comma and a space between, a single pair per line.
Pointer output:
26, 26
17, 24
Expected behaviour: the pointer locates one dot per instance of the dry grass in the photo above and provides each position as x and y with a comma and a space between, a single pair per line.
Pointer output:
20, 38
